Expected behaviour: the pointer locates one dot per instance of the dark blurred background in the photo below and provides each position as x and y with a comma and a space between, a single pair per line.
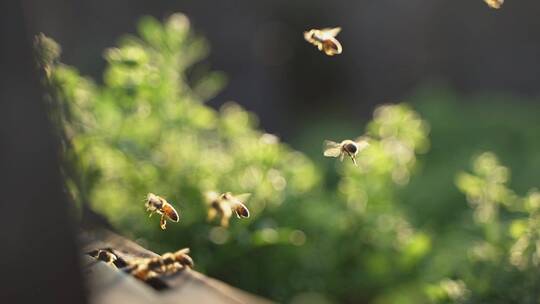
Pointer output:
390, 49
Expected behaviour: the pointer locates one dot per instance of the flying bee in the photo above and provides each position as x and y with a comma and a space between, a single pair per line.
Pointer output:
159, 205
218, 206
225, 204
494, 3
346, 147
237, 203
325, 40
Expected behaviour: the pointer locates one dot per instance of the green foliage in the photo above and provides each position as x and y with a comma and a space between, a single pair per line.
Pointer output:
508, 249
145, 130
372, 233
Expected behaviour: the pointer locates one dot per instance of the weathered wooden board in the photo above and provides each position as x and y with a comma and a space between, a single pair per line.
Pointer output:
109, 285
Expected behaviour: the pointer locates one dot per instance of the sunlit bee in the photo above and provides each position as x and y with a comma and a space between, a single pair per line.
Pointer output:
225, 204
325, 40
346, 147
105, 256
218, 207
171, 262
157, 204
494, 3
156, 264
177, 260
237, 203
141, 271
168, 263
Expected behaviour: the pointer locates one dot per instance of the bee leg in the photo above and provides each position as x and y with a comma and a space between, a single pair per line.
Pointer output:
341, 157
224, 221
354, 160
163, 222
212, 214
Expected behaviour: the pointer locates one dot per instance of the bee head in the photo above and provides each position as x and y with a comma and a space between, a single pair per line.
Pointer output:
106, 256
309, 34
154, 201
350, 147
227, 196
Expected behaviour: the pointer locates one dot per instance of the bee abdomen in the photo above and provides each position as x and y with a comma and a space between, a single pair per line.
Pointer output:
241, 210
186, 260
171, 213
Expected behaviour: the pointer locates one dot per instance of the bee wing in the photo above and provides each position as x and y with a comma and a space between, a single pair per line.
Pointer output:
182, 251
362, 142
242, 198
331, 148
211, 196
332, 32
332, 152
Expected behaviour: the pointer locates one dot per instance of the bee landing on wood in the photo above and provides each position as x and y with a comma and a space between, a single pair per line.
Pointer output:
225, 204
346, 147
494, 3
325, 40
168, 263
141, 271
104, 255
159, 205
177, 260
